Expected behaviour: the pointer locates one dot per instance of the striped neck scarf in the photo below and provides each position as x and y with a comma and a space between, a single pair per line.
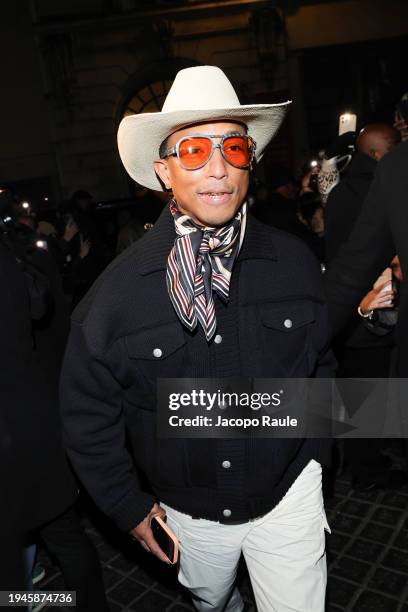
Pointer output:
199, 263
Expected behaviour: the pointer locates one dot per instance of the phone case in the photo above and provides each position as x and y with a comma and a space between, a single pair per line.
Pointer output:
165, 538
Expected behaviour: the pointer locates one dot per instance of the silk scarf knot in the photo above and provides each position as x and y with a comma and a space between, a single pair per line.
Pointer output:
200, 263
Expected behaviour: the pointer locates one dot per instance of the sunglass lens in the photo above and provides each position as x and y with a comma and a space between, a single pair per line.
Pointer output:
238, 150
194, 152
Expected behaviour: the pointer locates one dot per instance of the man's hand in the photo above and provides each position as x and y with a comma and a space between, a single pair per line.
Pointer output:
380, 297
144, 535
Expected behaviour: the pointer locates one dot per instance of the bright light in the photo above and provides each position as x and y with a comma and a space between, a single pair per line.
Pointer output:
46, 198
347, 123
25, 205
313, 163
41, 244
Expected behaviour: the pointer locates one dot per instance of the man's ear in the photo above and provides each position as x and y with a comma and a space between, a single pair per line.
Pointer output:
162, 169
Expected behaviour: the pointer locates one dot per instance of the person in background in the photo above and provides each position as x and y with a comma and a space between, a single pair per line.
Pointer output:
279, 202
311, 215
401, 117
35, 326
360, 353
346, 199
379, 232
86, 251
13, 347
275, 204
134, 222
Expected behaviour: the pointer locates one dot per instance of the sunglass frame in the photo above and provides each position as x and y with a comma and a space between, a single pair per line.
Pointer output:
175, 149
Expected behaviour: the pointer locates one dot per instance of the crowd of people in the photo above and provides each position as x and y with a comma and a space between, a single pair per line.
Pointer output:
353, 224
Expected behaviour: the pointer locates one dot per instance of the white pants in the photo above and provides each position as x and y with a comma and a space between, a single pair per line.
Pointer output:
284, 552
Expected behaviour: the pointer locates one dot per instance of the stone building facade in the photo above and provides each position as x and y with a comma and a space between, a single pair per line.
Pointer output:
101, 68
100, 59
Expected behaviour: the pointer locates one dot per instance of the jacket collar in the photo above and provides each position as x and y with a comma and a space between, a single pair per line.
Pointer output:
158, 242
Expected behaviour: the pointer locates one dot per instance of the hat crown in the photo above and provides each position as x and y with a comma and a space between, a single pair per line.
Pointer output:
200, 88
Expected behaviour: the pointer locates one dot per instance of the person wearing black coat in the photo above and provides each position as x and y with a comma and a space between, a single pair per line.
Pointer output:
380, 232
29, 404
15, 346
345, 202
359, 352
43, 489
208, 293
346, 199
342, 210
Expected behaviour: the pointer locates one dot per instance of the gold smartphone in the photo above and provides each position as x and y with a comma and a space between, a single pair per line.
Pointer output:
165, 539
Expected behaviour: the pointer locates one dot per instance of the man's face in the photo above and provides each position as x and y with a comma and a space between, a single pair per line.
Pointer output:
212, 194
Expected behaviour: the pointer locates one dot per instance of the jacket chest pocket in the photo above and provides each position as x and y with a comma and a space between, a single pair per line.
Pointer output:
156, 352
285, 337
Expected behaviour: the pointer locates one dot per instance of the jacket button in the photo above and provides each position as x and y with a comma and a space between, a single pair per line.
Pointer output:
218, 339
157, 352
227, 512
287, 323
226, 464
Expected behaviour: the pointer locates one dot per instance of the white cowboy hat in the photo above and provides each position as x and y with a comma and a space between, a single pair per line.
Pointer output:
201, 93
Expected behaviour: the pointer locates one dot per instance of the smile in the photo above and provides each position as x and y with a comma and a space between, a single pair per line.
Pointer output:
215, 197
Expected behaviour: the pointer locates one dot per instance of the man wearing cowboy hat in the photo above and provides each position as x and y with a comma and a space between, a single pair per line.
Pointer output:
208, 292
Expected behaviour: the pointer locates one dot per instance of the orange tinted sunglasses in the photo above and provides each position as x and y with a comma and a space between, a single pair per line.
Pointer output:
195, 150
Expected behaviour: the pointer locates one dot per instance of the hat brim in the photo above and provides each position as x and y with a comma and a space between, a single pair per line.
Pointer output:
140, 136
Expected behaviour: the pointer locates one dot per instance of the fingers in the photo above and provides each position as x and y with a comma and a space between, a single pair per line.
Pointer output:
160, 512
155, 548
157, 510
383, 300
144, 534
150, 539
150, 545
385, 295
